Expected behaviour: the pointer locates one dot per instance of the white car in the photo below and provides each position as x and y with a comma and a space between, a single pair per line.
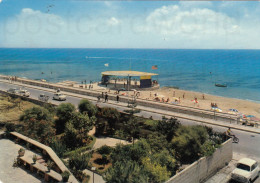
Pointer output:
13, 91
59, 96
246, 170
24, 93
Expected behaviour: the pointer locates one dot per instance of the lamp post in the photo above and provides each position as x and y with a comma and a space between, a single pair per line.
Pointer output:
93, 169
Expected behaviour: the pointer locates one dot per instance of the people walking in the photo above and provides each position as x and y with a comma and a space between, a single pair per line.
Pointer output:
117, 98
106, 97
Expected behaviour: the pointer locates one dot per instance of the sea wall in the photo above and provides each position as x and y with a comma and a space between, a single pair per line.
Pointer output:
205, 167
224, 117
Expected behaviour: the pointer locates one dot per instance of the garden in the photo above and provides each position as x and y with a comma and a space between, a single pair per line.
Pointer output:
158, 148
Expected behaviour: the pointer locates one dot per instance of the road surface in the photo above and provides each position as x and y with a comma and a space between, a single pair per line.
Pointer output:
248, 144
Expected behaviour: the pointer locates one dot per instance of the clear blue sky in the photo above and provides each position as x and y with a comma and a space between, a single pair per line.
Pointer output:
130, 24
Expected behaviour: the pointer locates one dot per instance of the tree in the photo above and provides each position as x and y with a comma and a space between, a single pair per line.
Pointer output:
70, 135
157, 142
82, 121
188, 141
111, 115
37, 113
165, 158
155, 171
39, 130
168, 127
126, 172
131, 152
132, 128
64, 113
87, 107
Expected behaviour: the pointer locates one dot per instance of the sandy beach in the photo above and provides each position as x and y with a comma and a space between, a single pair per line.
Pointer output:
243, 106
224, 103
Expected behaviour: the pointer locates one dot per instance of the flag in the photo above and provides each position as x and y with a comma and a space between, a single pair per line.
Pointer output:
106, 64
154, 67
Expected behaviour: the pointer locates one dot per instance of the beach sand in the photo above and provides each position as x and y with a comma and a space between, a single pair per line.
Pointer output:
224, 103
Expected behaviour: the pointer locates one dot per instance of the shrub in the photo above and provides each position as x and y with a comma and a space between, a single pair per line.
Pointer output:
65, 176
88, 107
105, 150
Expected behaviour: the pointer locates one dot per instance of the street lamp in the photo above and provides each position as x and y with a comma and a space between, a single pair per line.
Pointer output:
93, 169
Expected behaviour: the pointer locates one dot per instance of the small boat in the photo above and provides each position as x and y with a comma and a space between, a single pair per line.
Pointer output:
220, 85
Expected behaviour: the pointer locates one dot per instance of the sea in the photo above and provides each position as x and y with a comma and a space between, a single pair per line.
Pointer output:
187, 69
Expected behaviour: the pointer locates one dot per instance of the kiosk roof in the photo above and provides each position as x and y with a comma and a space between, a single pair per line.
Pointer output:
127, 73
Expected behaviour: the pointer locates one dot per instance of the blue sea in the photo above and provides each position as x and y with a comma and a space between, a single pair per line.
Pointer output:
195, 70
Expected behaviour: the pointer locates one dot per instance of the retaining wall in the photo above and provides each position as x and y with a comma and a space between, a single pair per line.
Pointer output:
205, 167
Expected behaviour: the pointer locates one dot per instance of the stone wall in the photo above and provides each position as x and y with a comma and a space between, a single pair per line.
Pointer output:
205, 167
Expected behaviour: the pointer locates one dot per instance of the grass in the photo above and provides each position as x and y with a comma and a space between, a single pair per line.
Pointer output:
12, 108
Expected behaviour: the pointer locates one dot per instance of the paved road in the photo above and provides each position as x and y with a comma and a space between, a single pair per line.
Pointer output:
247, 144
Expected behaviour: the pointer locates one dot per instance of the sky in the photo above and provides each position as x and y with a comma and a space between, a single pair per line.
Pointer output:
130, 24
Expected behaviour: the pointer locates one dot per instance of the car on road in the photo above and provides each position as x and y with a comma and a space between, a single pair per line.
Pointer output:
59, 96
13, 91
24, 93
246, 170
43, 97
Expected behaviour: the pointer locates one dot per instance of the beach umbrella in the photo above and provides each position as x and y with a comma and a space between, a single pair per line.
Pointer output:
175, 98
250, 116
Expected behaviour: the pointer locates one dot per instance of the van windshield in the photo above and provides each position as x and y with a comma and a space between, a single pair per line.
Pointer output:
243, 167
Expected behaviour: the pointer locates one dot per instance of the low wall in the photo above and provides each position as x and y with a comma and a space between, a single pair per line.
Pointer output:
205, 167
169, 107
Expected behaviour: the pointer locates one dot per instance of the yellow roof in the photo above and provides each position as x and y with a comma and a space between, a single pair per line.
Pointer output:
127, 73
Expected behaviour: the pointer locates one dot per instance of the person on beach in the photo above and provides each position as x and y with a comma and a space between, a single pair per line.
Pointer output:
168, 100
106, 97
117, 98
179, 99
98, 99
102, 95
173, 93
183, 95
203, 96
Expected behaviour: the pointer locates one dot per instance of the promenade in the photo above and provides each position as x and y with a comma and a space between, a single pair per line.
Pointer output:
198, 115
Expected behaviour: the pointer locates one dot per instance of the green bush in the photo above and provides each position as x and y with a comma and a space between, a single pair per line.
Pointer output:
105, 150
87, 107
65, 176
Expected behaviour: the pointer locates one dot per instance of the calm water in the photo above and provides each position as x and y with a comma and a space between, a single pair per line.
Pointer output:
195, 70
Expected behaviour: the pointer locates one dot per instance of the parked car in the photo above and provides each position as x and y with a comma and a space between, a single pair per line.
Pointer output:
246, 170
59, 96
24, 93
13, 90
43, 97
